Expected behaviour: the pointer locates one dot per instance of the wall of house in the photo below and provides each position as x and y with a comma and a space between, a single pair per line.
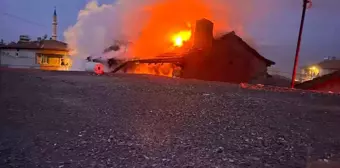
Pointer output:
228, 61
53, 62
232, 60
38, 59
259, 67
14, 58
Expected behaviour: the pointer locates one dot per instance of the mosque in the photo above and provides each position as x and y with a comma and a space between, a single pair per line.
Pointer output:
43, 53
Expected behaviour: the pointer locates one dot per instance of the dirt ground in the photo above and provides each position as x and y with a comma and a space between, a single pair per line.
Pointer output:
75, 119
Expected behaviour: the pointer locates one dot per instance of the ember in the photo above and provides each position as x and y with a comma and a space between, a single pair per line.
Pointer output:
165, 69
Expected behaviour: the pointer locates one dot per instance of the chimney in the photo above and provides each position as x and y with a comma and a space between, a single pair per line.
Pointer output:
203, 35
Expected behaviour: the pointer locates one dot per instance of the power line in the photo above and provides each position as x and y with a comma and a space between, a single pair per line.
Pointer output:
23, 19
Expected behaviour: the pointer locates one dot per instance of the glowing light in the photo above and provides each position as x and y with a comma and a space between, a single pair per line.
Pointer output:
178, 41
314, 69
181, 37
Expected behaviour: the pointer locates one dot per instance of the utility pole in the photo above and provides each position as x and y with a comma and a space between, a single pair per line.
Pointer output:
305, 3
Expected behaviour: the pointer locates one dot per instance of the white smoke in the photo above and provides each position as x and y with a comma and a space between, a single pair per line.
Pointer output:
98, 26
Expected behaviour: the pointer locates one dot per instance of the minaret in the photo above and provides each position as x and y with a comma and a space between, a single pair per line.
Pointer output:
54, 25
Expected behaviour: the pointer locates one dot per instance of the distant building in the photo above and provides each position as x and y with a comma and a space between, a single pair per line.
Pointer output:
40, 54
327, 66
328, 82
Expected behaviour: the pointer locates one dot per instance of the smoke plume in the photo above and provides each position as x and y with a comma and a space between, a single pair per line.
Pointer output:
148, 24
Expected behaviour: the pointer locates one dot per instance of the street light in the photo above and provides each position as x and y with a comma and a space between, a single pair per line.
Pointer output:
305, 3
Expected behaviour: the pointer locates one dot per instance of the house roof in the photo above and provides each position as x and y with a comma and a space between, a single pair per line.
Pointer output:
317, 81
247, 47
36, 45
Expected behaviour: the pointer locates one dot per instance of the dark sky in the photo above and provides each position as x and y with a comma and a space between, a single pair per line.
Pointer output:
275, 33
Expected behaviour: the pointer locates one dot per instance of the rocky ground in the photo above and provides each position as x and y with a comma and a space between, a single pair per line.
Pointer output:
73, 119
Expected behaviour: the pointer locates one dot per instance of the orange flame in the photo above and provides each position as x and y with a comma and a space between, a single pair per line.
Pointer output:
165, 69
169, 25
169, 29
181, 37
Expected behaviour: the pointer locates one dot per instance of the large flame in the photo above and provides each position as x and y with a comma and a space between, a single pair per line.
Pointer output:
169, 29
169, 25
152, 26
179, 38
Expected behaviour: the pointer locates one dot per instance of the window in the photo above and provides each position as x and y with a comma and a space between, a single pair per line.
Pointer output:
44, 60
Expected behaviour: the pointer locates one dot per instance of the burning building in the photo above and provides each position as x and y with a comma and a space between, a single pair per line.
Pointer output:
163, 36
227, 59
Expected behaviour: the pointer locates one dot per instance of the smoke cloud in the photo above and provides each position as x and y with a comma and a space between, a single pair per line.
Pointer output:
148, 24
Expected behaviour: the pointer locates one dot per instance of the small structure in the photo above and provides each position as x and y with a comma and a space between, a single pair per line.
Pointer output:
327, 66
329, 82
226, 59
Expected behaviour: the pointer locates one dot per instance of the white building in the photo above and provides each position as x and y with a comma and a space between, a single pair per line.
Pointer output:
18, 57
40, 54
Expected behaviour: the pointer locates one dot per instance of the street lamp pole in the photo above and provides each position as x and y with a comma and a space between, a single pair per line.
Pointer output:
305, 2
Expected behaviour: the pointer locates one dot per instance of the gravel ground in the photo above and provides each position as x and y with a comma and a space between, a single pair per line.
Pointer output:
73, 119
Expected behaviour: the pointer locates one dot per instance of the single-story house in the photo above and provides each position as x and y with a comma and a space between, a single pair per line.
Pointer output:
40, 54
227, 58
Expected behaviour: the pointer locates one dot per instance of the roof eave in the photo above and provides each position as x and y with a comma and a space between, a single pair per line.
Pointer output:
28, 48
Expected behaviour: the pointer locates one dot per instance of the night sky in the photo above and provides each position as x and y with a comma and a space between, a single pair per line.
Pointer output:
275, 33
